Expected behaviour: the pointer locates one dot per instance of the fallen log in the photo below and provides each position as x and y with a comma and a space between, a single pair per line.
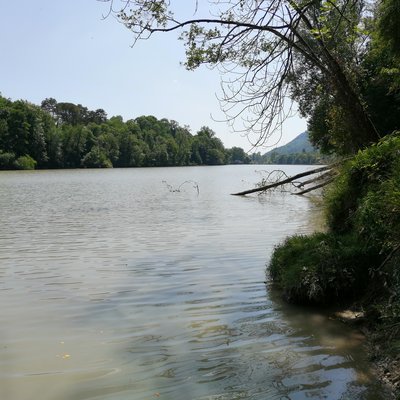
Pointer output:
315, 187
327, 175
285, 181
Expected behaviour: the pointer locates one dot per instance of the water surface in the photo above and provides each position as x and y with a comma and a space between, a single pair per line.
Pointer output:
116, 284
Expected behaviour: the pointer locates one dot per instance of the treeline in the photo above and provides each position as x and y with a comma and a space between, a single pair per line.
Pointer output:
66, 135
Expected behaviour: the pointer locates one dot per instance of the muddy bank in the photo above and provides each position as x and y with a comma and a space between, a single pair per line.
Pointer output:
386, 364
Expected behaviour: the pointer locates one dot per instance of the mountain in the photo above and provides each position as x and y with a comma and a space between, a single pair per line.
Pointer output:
300, 144
297, 151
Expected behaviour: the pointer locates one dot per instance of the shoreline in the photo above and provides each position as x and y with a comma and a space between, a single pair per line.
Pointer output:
385, 366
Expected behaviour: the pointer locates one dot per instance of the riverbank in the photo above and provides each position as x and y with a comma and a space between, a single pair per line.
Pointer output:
386, 366
355, 262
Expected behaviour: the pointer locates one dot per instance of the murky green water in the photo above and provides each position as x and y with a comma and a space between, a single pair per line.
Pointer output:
115, 286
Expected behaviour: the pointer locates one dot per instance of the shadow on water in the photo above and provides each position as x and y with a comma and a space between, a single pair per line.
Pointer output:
328, 358
266, 350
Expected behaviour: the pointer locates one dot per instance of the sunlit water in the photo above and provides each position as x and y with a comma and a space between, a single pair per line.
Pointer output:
114, 285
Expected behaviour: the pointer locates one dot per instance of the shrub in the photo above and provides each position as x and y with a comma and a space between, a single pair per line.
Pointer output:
363, 218
25, 162
377, 218
7, 160
365, 194
321, 268
359, 257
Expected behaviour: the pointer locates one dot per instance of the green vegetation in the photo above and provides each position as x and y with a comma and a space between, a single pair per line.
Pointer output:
323, 268
357, 259
25, 162
65, 135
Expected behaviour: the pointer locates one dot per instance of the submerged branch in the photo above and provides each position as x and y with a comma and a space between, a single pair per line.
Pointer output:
178, 189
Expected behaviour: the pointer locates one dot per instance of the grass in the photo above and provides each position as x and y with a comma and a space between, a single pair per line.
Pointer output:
323, 268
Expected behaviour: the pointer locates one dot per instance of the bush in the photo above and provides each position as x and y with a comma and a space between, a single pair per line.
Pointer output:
361, 250
7, 160
321, 268
377, 218
25, 162
365, 194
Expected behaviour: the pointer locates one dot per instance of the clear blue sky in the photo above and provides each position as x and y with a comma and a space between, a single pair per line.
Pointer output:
64, 49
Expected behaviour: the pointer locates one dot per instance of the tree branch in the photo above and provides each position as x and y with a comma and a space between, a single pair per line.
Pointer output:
315, 187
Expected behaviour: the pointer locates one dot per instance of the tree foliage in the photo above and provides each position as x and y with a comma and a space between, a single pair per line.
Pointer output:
272, 50
65, 135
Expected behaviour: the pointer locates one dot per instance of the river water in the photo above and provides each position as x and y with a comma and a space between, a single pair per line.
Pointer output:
123, 284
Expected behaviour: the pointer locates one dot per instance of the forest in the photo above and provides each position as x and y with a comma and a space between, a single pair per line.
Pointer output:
66, 135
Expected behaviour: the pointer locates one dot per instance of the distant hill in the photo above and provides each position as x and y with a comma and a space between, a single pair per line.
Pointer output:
300, 144
297, 151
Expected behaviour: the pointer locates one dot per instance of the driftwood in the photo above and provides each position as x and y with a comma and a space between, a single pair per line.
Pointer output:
293, 178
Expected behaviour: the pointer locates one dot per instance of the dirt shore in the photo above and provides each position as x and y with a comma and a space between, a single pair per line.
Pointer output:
387, 366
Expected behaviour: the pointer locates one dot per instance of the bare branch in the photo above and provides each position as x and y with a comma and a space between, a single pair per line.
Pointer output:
258, 46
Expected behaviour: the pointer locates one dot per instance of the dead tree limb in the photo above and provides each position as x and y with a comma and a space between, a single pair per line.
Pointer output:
283, 182
315, 187
325, 175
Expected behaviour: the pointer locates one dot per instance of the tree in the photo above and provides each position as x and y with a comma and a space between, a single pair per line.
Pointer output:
207, 149
238, 156
381, 78
275, 49
23, 130
50, 105
74, 140
72, 114
132, 150
98, 117
96, 158
183, 140
388, 24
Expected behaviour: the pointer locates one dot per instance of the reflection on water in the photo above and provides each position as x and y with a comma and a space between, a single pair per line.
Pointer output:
114, 287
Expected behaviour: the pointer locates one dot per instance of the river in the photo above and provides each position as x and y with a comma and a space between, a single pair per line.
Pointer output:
131, 284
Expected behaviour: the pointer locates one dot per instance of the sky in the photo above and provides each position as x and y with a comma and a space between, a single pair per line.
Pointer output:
65, 49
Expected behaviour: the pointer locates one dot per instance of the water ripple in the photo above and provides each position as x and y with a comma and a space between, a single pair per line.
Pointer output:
114, 288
